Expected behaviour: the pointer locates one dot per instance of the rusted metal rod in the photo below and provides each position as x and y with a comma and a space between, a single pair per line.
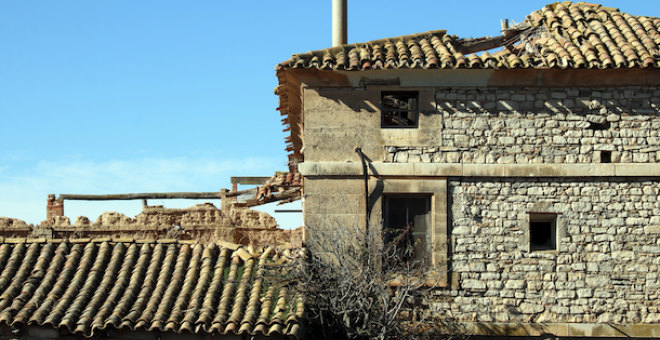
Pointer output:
153, 195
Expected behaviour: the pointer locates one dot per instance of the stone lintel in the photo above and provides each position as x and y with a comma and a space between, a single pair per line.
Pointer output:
562, 329
481, 170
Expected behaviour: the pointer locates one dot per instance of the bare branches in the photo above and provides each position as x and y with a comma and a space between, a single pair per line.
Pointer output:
356, 285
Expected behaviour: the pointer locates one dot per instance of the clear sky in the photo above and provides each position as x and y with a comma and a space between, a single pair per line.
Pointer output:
103, 97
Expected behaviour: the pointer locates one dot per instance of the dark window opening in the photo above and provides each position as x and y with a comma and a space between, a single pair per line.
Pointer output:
599, 126
606, 156
406, 228
399, 109
542, 232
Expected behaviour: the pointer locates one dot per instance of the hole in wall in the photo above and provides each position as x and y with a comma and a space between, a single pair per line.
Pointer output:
599, 126
606, 156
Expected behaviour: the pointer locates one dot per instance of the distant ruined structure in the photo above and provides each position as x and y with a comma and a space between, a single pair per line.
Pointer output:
235, 222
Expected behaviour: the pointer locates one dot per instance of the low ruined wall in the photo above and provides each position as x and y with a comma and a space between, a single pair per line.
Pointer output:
605, 269
203, 222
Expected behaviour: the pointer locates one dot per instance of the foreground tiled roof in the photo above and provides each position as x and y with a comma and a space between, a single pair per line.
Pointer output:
561, 35
86, 287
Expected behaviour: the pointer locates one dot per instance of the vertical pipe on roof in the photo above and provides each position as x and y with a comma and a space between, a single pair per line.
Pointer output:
339, 22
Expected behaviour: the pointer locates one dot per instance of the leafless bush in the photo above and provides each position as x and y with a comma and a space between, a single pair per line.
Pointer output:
358, 286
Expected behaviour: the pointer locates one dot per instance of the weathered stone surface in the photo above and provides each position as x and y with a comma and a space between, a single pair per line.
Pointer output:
606, 254
519, 150
509, 129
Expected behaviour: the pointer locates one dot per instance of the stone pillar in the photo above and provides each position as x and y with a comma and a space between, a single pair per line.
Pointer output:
54, 207
224, 201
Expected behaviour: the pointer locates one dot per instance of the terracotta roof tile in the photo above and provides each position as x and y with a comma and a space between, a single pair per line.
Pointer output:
560, 35
84, 288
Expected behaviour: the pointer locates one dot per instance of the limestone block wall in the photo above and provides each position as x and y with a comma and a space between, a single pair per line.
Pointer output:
606, 268
541, 125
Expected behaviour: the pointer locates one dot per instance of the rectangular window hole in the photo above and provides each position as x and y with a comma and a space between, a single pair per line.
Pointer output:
606, 156
406, 229
542, 231
599, 126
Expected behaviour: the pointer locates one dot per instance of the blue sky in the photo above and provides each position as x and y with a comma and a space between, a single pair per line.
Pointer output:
101, 97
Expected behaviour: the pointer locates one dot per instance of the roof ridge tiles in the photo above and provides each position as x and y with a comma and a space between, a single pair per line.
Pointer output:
627, 40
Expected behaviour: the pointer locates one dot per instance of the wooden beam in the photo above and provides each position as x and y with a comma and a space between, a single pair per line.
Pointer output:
154, 195
275, 197
509, 36
480, 45
249, 180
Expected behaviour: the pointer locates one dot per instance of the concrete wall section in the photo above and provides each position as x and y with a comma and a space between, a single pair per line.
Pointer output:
334, 202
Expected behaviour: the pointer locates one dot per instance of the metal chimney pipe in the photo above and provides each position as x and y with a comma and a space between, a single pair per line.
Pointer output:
339, 22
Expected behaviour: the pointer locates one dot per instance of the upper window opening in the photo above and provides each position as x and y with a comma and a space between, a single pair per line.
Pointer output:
399, 109
407, 223
542, 232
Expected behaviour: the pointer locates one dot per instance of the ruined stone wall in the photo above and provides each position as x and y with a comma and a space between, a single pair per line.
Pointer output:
605, 268
541, 125
202, 222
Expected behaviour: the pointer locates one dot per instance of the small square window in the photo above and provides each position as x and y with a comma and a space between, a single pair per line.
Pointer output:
542, 231
606, 156
399, 109
407, 223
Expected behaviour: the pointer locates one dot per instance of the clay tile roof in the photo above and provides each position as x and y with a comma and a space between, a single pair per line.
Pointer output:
87, 287
561, 35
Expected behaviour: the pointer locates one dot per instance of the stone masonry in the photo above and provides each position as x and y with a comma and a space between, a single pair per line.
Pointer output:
542, 125
606, 264
605, 268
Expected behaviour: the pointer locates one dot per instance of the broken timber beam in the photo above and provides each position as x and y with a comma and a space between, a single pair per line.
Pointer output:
154, 195
249, 180
482, 45
510, 36
275, 197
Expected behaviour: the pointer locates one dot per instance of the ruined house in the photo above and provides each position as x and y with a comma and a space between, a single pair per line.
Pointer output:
527, 163
194, 273
165, 274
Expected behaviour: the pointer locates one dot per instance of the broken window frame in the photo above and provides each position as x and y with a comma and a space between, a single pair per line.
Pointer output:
408, 243
400, 115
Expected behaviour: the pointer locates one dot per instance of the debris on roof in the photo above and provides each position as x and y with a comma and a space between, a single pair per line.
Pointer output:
561, 35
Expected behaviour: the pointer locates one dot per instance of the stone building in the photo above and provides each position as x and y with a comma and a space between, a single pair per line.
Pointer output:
527, 163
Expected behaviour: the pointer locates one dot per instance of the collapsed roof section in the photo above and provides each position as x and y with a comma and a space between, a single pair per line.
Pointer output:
562, 35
